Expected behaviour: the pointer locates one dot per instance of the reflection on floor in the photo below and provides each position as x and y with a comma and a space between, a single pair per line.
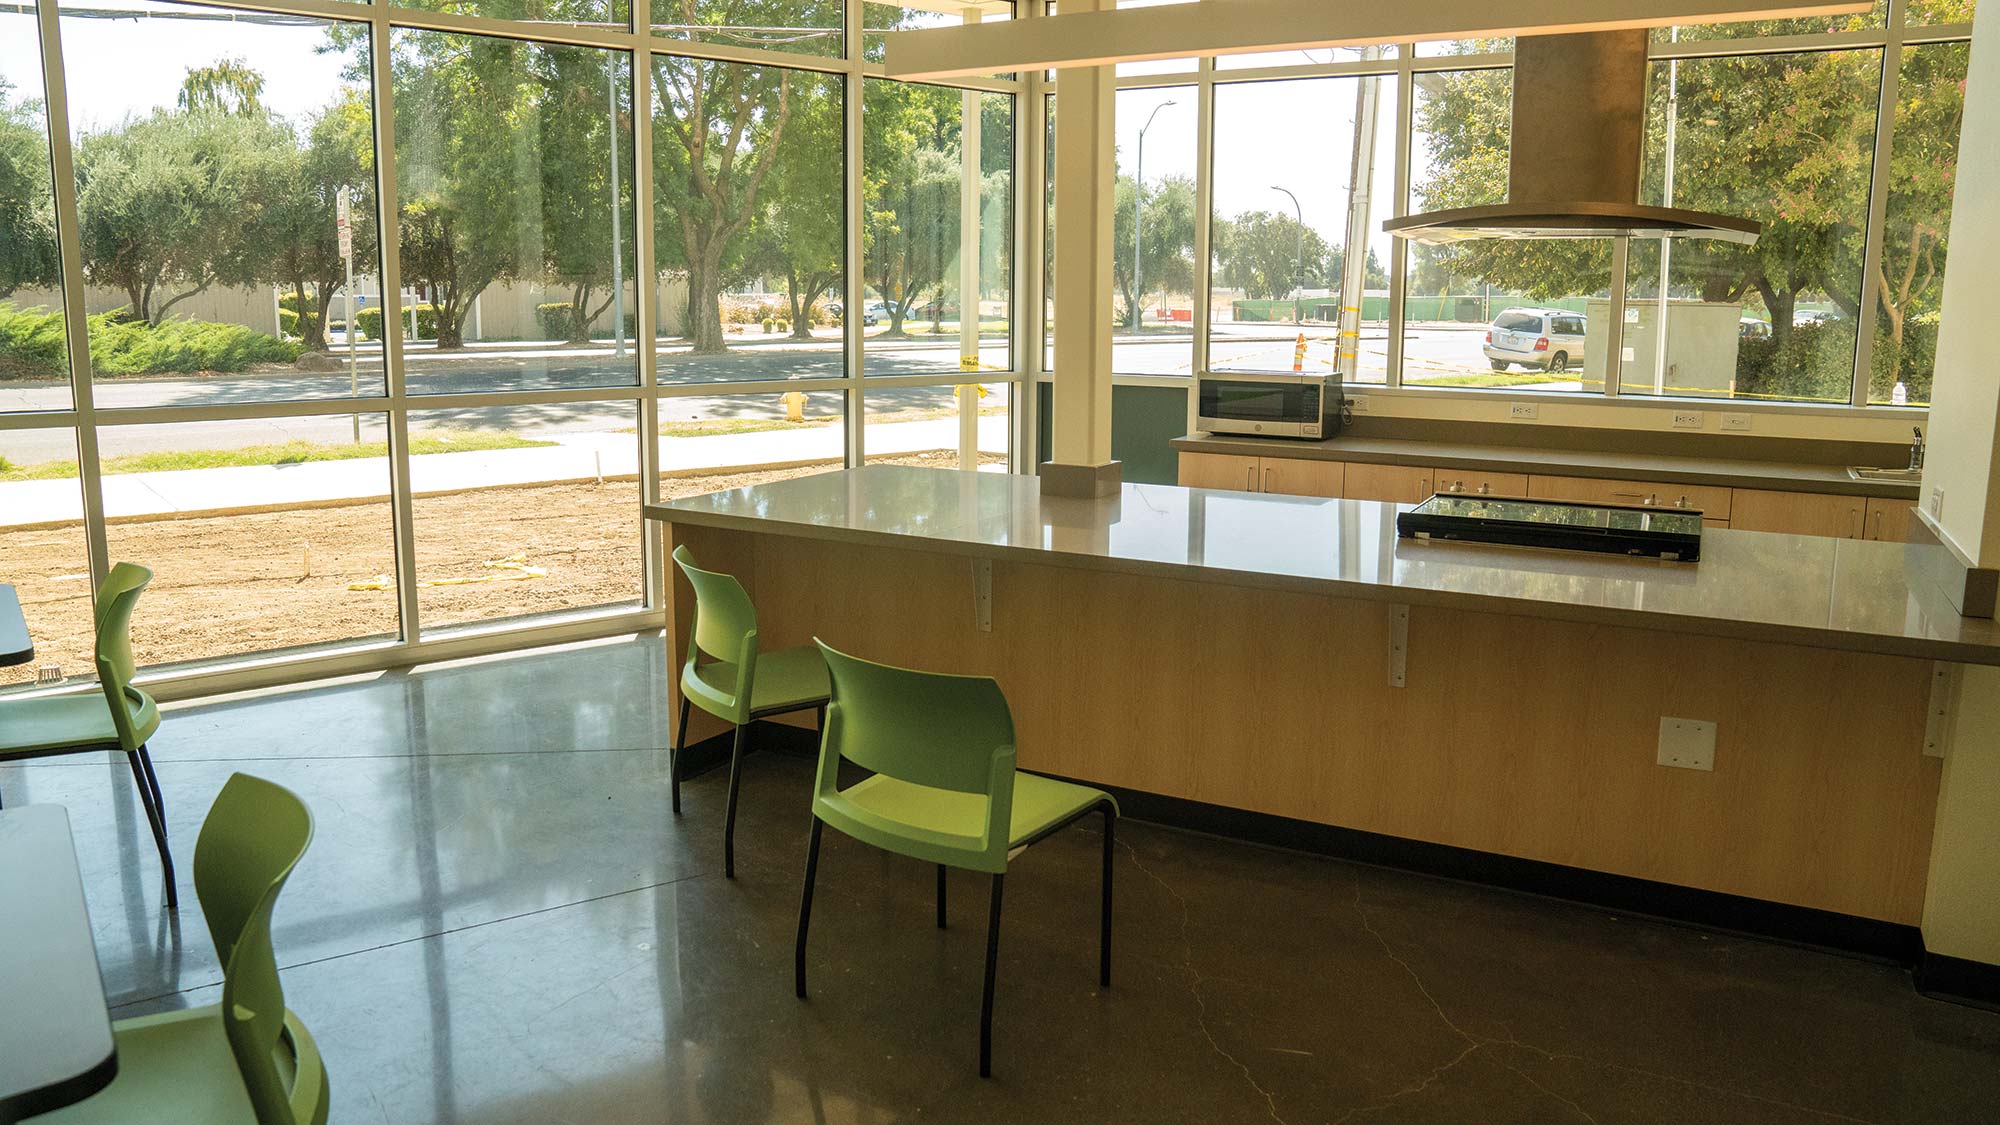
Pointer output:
500, 921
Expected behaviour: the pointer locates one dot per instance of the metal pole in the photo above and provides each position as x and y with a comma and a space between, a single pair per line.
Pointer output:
617, 235
353, 357
1299, 266
1138, 212
1667, 244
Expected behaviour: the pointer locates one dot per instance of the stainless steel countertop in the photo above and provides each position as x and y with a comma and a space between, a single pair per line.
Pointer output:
1793, 589
1783, 476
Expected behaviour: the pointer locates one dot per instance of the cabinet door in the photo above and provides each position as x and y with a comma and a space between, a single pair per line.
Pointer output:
1391, 484
1711, 502
1220, 470
1480, 483
1288, 476
1798, 513
1889, 520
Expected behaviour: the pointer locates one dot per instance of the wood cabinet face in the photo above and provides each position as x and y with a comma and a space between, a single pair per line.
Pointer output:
1220, 470
1287, 476
1889, 520
1712, 502
1799, 513
1390, 484
1478, 483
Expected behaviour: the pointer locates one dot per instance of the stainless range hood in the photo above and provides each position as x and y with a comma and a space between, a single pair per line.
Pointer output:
1578, 139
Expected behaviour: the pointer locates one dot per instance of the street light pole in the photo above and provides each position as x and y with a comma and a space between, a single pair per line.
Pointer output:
1138, 212
617, 237
1299, 265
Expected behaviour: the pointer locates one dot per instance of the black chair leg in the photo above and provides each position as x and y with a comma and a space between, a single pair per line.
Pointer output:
153, 780
986, 998
940, 896
729, 818
159, 827
1104, 925
674, 756
805, 911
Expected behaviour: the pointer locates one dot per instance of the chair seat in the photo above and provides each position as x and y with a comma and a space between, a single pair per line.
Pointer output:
787, 680
55, 724
1040, 803
172, 1067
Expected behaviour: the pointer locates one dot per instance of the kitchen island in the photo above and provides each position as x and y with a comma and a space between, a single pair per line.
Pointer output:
1290, 657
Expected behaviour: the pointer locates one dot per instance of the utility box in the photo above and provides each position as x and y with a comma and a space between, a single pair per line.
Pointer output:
1702, 338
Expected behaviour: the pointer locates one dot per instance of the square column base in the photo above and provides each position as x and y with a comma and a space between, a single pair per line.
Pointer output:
1083, 482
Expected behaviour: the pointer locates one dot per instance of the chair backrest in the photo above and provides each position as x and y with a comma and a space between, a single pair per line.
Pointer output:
251, 840
947, 732
725, 628
116, 599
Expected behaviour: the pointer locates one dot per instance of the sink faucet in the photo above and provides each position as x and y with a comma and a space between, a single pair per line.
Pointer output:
1917, 450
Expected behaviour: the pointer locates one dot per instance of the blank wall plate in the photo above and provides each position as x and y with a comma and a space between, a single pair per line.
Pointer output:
1358, 404
1736, 423
1524, 411
1687, 744
1688, 419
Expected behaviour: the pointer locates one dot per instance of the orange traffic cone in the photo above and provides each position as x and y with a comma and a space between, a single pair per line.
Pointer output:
1299, 356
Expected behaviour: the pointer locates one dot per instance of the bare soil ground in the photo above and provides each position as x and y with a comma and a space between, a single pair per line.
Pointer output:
250, 583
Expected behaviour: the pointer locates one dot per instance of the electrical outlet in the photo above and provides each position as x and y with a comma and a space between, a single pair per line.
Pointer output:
1688, 419
1687, 744
1937, 503
1739, 423
1357, 404
1524, 411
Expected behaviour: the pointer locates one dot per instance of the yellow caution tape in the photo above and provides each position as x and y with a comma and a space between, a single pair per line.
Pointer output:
515, 568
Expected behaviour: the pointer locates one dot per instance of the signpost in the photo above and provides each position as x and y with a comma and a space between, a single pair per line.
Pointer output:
344, 226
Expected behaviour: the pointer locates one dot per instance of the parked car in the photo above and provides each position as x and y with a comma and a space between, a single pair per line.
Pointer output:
873, 312
1546, 339
1814, 316
1750, 328
835, 309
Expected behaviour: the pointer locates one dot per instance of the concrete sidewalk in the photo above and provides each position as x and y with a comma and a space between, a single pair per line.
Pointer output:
575, 457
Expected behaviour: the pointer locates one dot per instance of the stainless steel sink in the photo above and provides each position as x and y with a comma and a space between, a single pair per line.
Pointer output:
1892, 476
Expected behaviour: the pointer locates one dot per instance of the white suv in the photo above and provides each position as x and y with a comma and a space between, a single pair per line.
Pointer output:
1548, 339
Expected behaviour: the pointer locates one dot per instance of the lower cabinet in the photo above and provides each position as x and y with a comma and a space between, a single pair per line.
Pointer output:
1279, 476
1479, 483
1713, 503
1219, 470
1889, 520
1389, 484
1799, 513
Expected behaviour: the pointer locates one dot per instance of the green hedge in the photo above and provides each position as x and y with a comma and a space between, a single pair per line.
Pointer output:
558, 320
369, 320
32, 347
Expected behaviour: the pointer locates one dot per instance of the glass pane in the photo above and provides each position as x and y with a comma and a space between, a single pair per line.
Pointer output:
34, 360
264, 535
213, 152
1318, 57
877, 18
810, 27
1049, 237
1923, 168
592, 13
524, 510
929, 236
748, 197
1811, 25
1787, 140
1442, 48
713, 442
514, 179
928, 427
1929, 13
1154, 217
1285, 214
47, 560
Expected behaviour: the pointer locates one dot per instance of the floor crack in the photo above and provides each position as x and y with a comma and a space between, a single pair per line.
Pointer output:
1195, 980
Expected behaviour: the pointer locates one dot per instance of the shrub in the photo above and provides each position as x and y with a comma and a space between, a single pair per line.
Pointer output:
1812, 363
558, 321
291, 325
369, 320
124, 347
31, 343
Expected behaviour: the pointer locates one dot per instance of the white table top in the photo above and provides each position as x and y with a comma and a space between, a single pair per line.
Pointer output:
55, 1040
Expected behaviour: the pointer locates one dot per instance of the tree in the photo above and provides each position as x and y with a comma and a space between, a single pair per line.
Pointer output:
799, 235
169, 203
27, 216
1923, 168
585, 114
298, 230
1166, 233
717, 131
225, 86
1259, 254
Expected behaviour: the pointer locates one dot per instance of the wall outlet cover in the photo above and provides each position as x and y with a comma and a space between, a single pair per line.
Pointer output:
1689, 419
1937, 502
1738, 423
1358, 404
1687, 744
1524, 411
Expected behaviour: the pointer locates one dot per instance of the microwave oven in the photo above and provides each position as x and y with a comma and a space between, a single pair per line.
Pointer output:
1272, 405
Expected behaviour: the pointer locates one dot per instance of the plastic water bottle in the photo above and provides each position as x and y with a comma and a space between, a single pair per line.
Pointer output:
1900, 396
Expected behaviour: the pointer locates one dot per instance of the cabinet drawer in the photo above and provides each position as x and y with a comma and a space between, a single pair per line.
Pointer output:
1479, 483
1711, 502
1889, 520
1287, 476
1798, 513
1220, 470
1391, 484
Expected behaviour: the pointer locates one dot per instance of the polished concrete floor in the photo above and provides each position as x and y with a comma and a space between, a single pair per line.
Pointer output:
500, 921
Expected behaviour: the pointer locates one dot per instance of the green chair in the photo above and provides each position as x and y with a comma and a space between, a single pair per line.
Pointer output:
738, 683
247, 1058
120, 718
944, 790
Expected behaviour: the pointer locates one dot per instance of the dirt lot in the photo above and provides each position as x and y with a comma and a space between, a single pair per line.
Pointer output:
229, 585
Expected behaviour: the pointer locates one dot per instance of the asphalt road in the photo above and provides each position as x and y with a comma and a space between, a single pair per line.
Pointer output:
512, 367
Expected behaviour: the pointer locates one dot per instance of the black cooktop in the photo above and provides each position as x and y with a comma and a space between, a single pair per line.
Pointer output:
1610, 529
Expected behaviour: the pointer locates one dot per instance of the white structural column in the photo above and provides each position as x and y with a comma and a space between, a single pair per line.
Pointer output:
1080, 427
969, 200
1961, 496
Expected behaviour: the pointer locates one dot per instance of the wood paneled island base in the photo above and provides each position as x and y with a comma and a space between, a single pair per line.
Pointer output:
1513, 734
